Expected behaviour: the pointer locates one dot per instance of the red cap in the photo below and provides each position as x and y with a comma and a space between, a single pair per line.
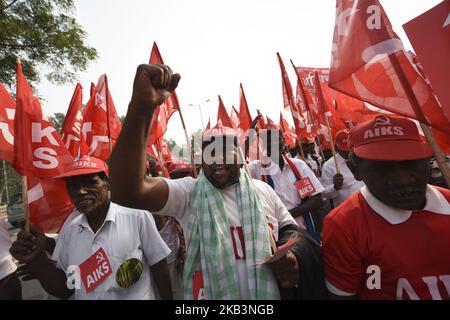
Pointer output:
307, 139
175, 166
342, 139
388, 138
85, 165
218, 131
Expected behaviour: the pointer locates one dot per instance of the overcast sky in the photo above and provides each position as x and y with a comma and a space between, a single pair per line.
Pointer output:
214, 45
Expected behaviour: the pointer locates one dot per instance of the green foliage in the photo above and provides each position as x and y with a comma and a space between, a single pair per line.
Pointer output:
179, 151
58, 120
196, 141
129, 272
14, 182
45, 35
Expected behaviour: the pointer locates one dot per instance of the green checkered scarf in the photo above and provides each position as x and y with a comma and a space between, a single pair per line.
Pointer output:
210, 245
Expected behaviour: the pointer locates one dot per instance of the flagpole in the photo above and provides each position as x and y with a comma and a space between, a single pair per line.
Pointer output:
257, 146
421, 117
25, 203
6, 181
188, 143
25, 190
333, 150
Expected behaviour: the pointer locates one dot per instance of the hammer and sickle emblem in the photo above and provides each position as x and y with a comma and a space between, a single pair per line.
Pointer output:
99, 257
382, 121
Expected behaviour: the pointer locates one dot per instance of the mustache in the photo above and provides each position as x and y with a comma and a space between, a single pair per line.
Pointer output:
84, 198
403, 190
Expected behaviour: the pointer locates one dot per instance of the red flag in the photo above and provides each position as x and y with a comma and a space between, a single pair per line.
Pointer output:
288, 99
151, 150
271, 124
163, 112
71, 129
366, 53
245, 119
84, 148
307, 75
49, 203
286, 83
434, 52
288, 133
222, 115
163, 150
101, 124
234, 117
261, 121
92, 90
307, 105
300, 99
38, 148
208, 126
351, 111
7, 110
325, 110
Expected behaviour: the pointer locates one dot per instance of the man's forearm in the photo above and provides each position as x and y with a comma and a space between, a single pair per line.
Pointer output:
161, 275
128, 159
311, 204
52, 279
10, 288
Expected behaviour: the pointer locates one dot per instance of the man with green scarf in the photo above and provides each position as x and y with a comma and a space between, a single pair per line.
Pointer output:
231, 222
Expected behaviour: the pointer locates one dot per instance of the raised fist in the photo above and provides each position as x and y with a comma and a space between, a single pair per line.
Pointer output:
153, 84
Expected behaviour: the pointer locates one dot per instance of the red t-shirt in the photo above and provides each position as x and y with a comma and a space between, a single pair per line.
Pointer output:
410, 255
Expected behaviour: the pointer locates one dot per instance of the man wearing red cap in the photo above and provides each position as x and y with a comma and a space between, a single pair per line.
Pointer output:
339, 186
104, 252
389, 240
231, 222
311, 158
283, 175
179, 169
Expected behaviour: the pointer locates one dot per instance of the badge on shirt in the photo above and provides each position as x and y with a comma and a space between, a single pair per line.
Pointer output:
95, 269
304, 187
129, 272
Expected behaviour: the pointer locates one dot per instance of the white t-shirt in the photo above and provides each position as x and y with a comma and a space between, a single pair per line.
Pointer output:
276, 213
312, 164
284, 181
350, 186
126, 234
7, 266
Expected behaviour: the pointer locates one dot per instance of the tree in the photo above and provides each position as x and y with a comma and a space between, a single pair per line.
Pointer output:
178, 151
196, 141
14, 182
43, 33
58, 120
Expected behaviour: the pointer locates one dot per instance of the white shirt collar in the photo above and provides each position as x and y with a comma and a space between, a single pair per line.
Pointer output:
435, 203
340, 158
110, 216
272, 169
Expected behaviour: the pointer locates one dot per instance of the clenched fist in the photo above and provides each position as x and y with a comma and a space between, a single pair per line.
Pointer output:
286, 270
153, 84
338, 181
